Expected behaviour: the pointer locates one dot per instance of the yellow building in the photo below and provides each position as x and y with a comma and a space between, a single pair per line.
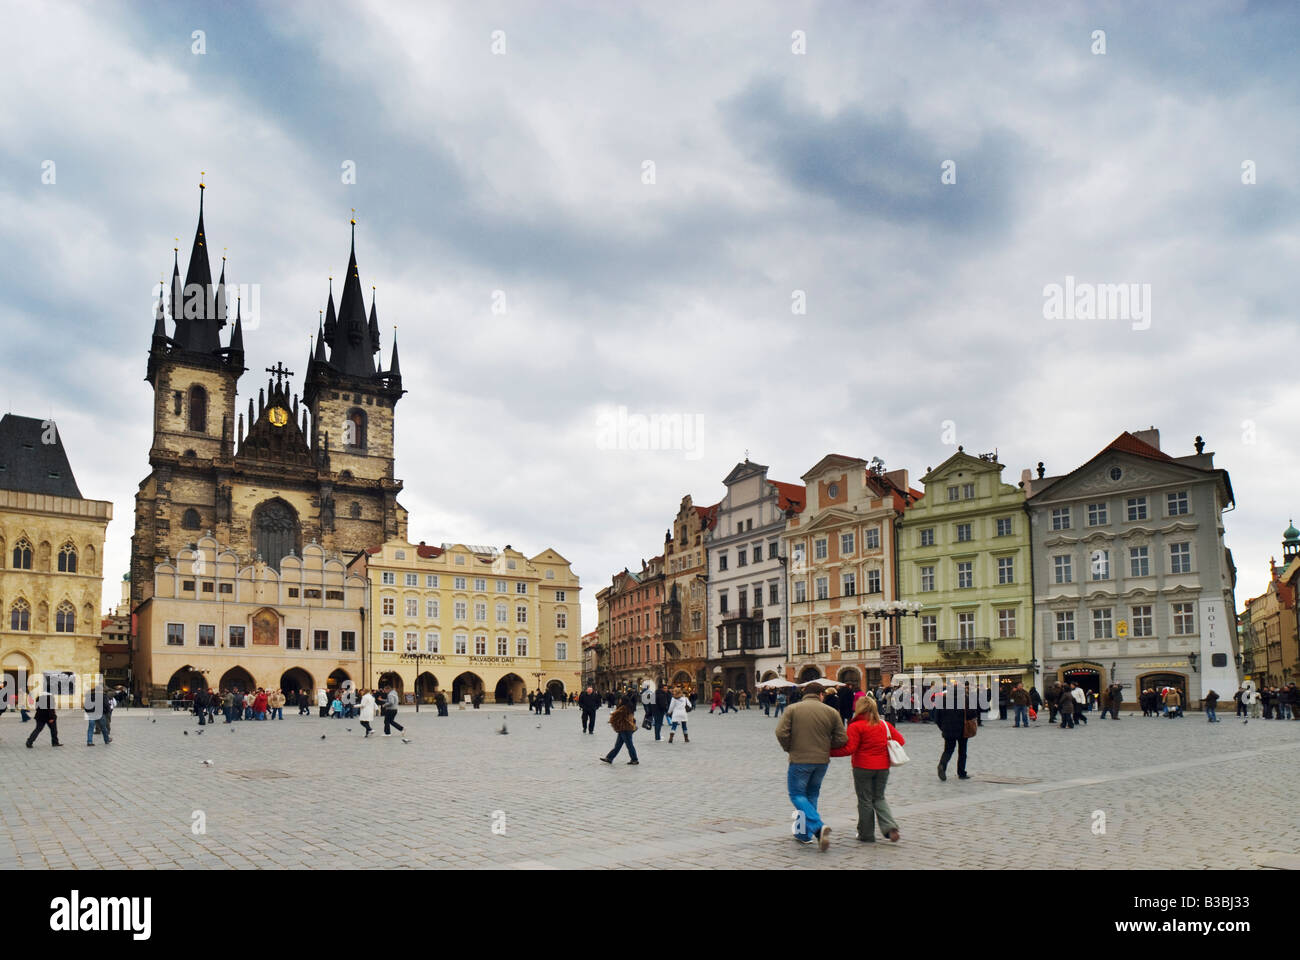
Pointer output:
209, 620
471, 621
51, 551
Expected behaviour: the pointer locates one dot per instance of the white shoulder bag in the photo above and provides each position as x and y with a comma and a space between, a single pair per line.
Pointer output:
897, 755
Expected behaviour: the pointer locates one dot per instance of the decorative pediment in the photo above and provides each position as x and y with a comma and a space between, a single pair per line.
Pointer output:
1135, 474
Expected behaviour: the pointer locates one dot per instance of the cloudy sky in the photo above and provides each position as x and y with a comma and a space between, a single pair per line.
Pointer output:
650, 191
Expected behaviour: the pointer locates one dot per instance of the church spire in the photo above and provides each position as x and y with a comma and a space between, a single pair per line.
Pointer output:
395, 368
221, 295
237, 334
331, 323
198, 332
374, 323
351, 350
160, 311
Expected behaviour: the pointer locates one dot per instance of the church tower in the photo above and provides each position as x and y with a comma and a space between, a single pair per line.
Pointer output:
269, 485
194, 379
351, 399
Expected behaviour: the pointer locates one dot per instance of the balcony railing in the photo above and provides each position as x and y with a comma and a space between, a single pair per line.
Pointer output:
735, 615
959, 645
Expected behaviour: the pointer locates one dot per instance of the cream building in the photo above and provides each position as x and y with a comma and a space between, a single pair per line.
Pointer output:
470, 621
51, 550
212, 619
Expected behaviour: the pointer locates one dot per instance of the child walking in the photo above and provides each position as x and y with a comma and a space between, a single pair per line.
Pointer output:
624, 723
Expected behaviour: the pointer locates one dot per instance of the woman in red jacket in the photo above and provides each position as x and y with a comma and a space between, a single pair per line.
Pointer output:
866, 746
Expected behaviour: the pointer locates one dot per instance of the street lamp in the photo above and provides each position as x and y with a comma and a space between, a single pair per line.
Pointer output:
893, 611
413, 655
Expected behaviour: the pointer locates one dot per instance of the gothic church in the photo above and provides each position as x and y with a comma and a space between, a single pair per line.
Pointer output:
288, 473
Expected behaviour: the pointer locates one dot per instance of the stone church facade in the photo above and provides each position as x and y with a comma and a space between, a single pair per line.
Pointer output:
284, 472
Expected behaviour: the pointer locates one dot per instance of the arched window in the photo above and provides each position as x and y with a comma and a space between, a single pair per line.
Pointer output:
191, 519
22, 554
20, 615
65, 618
198, 409
275, 524
68, 558
354, 430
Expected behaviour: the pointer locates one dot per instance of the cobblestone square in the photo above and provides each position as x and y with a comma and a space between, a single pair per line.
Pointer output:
306, 792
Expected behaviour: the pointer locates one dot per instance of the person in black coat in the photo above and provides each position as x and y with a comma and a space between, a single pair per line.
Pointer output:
588, 704
662, 699
952, 711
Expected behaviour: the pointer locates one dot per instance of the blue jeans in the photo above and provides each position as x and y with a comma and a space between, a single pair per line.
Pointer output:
803, 781
780, 709
624, 736
92, 726
1022, 716
277, 713
1213, 717
673, 724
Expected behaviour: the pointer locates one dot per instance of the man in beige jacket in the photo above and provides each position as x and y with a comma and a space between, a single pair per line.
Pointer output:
808, 731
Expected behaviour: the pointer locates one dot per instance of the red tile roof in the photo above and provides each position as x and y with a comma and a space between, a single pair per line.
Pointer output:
427, 552
1127, 443
791, 496
708, 515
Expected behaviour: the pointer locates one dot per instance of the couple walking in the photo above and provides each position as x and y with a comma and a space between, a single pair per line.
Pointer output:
811, 733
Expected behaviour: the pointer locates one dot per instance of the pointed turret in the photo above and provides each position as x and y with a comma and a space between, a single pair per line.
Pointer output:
177, 297
395, 368
221, 296
374, 323
319, 355
235, 354
160, 313
331, 322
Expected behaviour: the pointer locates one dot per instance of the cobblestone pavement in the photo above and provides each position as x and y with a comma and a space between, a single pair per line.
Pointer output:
1182, 794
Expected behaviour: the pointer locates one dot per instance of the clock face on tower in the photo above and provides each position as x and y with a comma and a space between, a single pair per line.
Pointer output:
278, 416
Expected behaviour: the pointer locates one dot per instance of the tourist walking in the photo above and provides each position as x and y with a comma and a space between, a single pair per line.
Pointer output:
662, 699
678, 707
781, 701
1114, 697
623, 721
276, 703
28, 706
1211, 705
1035, 700
45, 716
808, 732
390, 713
1065, 706
323, 704
260, 704
1080, 703
201, 698
94, 707
367, 711
957, 721
1174, 703
868, 748
717, 700
588, 704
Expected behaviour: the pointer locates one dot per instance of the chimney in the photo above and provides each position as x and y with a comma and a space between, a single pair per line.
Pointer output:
1027, 480
1149, 436
898, 478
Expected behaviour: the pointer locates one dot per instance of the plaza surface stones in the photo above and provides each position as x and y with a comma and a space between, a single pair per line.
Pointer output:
1132, 793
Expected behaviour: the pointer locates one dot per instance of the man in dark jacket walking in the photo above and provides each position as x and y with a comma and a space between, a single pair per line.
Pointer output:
953, 709
662, 699
589, 703
45, 717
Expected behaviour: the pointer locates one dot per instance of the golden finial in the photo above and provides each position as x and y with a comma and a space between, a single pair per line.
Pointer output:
202, 173
354, 216
177, 241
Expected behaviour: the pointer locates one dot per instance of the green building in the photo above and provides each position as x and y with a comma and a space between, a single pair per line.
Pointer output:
963, 554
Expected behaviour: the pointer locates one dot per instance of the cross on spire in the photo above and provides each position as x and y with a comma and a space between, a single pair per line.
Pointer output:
279, 372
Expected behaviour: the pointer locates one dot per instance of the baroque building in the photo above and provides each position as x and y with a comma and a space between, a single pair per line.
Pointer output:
1132, 581
685, 608
843, 556
748, 625
51, 555
470, 621
213, 619
270, 480
964, 555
